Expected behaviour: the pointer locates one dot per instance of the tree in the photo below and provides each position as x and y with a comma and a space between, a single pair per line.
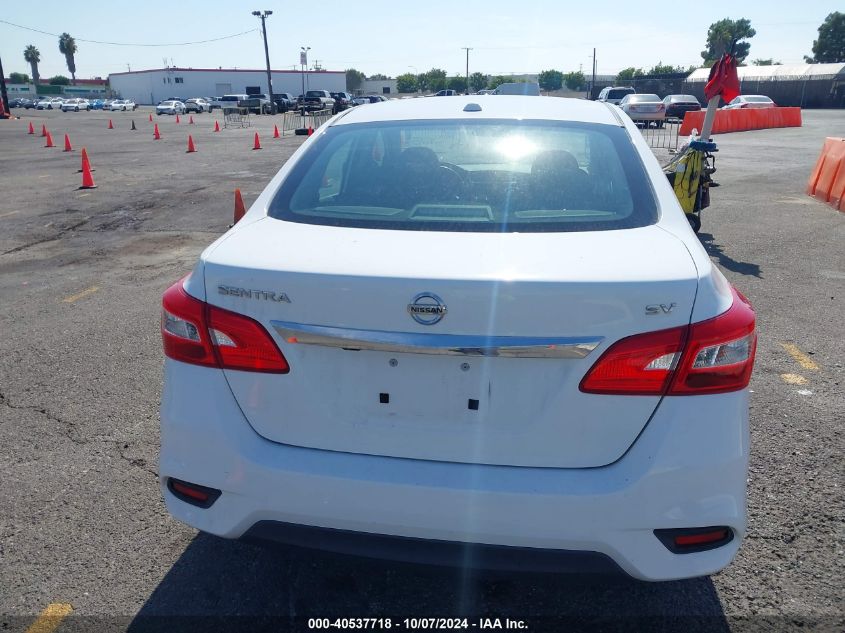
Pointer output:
435, 79
664, 69
830, 47
765, 62
33, 56
59, 80
477, 81
551, 80
575, 80
67, 47
722, 34
457, 83
406, 82
18, 78
354, 78
378, 77
496, 80
629, 73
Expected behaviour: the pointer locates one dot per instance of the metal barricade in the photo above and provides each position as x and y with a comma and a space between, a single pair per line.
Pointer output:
318, 117
294, 120
664, 137
290, 121
236, 117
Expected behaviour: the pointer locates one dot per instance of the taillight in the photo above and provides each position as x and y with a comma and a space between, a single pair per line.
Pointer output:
195, 332
719, 354
713, 356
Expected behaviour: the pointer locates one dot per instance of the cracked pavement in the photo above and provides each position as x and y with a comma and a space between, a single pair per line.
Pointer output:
81, 515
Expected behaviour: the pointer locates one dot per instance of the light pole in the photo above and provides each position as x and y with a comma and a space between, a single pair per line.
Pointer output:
467, 49
303, 60
263, 16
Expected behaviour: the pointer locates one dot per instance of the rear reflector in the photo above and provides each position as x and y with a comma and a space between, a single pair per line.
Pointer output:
195, 332
713, 356
691, 540
200, 496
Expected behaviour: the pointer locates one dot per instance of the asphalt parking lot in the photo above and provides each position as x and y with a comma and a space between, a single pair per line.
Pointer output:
82, 522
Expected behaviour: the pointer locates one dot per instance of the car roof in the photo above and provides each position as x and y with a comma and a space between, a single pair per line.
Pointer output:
492, 107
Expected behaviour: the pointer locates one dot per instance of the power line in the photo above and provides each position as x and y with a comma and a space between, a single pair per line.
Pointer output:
79, 39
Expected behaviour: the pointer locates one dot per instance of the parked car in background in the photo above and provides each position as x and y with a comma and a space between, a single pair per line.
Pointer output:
369, 99
342, 101
615, 94
198, 105
750, 101
644, 108
524, 88
581, 405
318, 100
97, 104
16, 102
445, 93
230, 101
284, 101
678, 105
30, 104
123, 105
170, 107
75, 105
44, 104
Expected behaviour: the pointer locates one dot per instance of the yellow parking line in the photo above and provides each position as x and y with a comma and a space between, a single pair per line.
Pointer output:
793, 379
80, 295
800, 357
50, 618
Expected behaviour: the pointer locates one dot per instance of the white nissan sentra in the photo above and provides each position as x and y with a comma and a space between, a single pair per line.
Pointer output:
464, 331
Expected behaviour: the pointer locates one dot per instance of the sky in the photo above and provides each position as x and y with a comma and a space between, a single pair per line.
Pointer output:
395, 37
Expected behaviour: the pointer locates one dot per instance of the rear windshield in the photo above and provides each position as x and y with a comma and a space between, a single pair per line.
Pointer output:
757, 99
315, 93
643, 98
619, 93
683, 99
481, 175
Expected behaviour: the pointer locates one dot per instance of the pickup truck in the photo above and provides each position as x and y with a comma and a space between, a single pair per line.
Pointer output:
284, 101
318, 100
254, 103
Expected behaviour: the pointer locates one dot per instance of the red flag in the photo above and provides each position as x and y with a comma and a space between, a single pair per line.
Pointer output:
723, 79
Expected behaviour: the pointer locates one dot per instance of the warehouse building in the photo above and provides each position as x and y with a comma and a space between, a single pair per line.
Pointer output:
158, 84
803, 85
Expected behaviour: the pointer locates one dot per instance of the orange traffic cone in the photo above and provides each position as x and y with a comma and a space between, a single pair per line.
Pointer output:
111, 126
177, 118
87, 178
68, 148
257, 143
156, 135
85, 162
31, 129
49, 140
151, 117
239, 206
216, 126
191, 147
43, 130
275, 131
310, 130
191, 120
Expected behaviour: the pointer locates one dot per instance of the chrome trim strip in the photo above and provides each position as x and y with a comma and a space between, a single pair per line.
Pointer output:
445, 344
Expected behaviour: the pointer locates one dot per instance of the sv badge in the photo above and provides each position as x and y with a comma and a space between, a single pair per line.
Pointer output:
660, 308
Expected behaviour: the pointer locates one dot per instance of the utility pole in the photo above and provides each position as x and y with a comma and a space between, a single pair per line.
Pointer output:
467, 49
593, 82
263, 16
303, 60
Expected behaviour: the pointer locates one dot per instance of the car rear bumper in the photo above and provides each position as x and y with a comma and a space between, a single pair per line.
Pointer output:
647, 116
687, 469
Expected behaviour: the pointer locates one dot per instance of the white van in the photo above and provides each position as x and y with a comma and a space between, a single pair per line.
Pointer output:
615, 94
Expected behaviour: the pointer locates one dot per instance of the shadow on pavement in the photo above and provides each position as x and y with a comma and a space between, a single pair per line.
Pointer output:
726, 261
221, 585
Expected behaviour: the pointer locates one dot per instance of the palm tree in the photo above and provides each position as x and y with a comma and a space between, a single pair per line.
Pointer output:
33, 56
67, 47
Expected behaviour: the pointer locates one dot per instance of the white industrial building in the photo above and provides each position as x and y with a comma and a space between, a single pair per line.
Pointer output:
155, 85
